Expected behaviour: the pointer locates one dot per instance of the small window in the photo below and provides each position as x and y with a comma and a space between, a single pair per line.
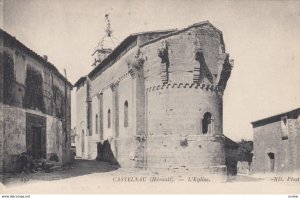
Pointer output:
284, 128
108, 119
126, 114
207, 123
97, 125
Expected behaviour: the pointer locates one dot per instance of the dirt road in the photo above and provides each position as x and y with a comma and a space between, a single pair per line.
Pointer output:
78, 168
93, 177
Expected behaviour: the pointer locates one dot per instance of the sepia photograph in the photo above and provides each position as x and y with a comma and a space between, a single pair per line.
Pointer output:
149, 97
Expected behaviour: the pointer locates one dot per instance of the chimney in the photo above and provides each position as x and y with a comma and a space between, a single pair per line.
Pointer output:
45, 57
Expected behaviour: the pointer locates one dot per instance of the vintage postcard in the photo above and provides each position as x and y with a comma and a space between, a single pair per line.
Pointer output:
149, 97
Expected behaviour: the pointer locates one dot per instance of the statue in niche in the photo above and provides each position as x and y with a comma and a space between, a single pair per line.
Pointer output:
197, 49
163, 52
225, 73
199, 57
136, 64
138, 61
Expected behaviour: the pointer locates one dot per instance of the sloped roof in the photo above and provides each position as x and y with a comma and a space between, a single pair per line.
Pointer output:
7, 36
79, 81
120, 48
104, 64
185, 29
230, 143
274, 118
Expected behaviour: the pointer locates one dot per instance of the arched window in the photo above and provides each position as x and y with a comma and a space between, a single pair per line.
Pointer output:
108, 119
207, 123
126, 114
96, 123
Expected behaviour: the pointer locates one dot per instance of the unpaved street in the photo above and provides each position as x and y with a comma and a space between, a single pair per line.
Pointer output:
86, 177
78, 168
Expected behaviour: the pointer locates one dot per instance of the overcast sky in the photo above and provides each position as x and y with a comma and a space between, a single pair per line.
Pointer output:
262, 37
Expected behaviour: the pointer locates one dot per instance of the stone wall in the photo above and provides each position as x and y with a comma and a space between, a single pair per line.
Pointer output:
66, 151
1, 73
126, 134
1, 138
294, 136
52, 101
167, 128
1, 106
268, 139
163, 81
54, 138
14, 122
182, 50
81, 128
14, 132
115, 87
23, 59
173, 94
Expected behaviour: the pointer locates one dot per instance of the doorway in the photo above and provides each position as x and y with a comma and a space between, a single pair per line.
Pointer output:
37, 142
271, 162
36, 136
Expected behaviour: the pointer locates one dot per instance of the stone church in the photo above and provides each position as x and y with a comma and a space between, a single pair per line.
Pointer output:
35, 102
157, 98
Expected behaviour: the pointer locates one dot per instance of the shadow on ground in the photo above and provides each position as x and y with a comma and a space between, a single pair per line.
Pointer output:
79, 167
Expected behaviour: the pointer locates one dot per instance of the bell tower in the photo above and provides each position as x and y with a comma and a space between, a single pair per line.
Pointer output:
106, 44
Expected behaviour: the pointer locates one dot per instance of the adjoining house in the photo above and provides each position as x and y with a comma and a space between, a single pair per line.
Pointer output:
157, 98
35, 103
238, 156
231, 156
276, 143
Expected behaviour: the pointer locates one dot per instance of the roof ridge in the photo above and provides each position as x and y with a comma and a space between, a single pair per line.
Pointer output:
168, 32
278, 114
182, 30
153, 31
33, 53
